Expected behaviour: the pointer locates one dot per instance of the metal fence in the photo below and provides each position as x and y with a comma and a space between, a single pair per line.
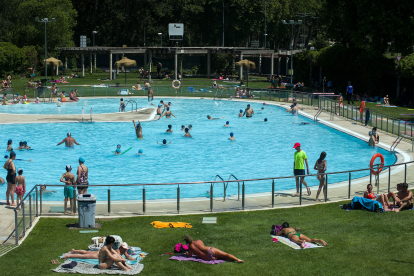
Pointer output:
32, 204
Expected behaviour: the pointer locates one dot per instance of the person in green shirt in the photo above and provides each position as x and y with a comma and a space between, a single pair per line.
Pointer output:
300, 159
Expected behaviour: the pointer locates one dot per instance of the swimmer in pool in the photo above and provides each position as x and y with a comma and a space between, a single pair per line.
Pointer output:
190, 127
227, 124
168, 114
160, 110
301, 123
248, 111
232, 137
25, 145
138, 130
140, 152
9, 145
164, 142
69, 141
265, 120
169, 104
169, 128
182, 127
122, 105
294, 109
187, 134
164, 104
209, 117
21, 146
118, 150
241, 113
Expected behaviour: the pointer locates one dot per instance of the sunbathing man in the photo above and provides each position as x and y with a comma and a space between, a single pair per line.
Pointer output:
207, 253
138, 130
298, 238
83, 254
403, 199
69, 141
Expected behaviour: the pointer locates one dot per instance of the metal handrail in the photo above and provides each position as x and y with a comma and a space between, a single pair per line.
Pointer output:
132, 105
222, 180
238, 187
395, 143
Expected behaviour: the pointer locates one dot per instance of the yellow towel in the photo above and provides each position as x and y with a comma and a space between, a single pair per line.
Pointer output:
160, 224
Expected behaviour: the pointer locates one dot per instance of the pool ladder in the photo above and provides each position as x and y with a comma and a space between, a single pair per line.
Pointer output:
225, 185
395, 143
315, 118
132, 105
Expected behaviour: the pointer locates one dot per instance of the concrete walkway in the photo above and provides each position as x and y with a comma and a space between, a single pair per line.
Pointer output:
282, 199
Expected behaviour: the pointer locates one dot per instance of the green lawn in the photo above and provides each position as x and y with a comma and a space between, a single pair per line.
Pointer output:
359, 243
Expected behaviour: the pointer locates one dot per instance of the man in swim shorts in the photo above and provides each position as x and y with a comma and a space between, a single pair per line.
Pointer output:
69, 141
138, 130
403, 199
248, 111
300, 159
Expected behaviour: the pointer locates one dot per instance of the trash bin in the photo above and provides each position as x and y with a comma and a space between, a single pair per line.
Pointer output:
113, 75
86, 211
44, 82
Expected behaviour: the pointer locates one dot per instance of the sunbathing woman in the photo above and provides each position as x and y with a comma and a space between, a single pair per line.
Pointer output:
298, 238
383, 199
108, 256
81, 254
207, 253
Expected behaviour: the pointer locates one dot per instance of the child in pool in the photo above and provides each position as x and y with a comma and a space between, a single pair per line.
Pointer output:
118, 150
21, 146
140, 152
21, 186
25, 146
122, 105
37, 100
241, 113
231, 137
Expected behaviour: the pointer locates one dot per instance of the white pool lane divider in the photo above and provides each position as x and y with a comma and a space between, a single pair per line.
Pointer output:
86, 121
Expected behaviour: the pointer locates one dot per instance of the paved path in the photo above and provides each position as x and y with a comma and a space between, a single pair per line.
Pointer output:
283, 199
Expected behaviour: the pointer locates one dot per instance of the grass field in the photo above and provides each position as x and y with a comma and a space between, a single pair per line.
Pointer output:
359, 243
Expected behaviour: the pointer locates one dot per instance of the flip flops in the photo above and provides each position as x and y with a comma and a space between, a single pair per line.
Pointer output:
55, 262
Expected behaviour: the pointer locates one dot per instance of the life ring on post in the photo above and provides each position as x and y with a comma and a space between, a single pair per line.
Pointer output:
376, 172
174, 82
361, 107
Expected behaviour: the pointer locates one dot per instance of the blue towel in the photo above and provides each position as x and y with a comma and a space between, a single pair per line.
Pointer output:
366, 203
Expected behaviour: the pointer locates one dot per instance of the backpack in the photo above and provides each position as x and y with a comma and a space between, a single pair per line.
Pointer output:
180, 248
275, 229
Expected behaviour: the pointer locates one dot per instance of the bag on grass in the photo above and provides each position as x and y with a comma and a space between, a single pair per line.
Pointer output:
180, 248
275, 229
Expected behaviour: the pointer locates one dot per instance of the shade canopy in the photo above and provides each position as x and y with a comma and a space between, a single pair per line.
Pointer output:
245, 63
53, 61
126, 62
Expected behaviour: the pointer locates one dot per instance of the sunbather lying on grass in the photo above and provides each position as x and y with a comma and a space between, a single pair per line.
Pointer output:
207, 253
298, 238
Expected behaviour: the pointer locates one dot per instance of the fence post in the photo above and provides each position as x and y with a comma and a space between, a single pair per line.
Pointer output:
16, 229
398, 133
211, 197
109, 201
143, 200
349, 186
106, 90
40, 202
94, 90
238, 191
326, 189
37, 209
389, 178
74, 201
178, 199
300, 190
405, 173
243, 196
24, 223
168, 91
370, 175
30, 210
273, 193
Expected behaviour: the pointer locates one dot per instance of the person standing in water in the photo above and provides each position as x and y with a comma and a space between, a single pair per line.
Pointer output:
69, 179
227, 124
69, 141
10, 178
248, 111
241, 113
164, 142
138, 129
82, 177
167, 114
231, 137
169, 128
187, 134
118, 150
9, 145
321, 166
300, 159
122, 105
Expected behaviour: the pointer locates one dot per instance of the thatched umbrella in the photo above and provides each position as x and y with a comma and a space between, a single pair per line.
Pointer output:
245, 63
53, 61
126, 62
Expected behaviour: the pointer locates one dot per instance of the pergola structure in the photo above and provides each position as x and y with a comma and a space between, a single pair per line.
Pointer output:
148, 52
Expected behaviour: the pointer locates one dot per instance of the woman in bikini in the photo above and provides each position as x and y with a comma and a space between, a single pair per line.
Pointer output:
167, 114
108, 256
10, 178
82, 177
298, 238
320, 166
369, 194
207, 253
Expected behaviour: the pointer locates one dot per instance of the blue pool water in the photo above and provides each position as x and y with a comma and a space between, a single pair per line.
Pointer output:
260, 150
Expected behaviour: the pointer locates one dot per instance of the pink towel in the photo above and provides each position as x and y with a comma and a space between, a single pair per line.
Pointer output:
182, 257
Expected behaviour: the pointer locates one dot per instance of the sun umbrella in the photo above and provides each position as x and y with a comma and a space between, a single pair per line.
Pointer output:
126, 62
245, 63
54, 62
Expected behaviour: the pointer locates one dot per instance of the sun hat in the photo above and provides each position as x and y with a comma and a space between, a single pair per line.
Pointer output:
296, 145
124, 245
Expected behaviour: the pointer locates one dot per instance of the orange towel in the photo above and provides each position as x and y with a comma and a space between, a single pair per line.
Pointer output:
160, 224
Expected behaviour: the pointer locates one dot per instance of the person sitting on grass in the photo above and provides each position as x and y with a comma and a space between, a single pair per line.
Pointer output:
386, 100
207, 253
369, 194
108, 256
297, 238
403, 199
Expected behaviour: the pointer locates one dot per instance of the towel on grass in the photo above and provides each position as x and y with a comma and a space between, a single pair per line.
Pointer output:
86, 268
183, 257
96, 261
160, 224
293, 245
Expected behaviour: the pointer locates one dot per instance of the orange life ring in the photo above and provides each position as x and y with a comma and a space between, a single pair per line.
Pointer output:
374, 172
63, 100
361, 107
174, 82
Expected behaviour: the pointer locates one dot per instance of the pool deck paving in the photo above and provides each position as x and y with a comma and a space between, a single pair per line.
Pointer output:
282, 199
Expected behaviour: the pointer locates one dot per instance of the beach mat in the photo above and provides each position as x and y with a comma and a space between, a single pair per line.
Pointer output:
293, 245
92, 269
183, 257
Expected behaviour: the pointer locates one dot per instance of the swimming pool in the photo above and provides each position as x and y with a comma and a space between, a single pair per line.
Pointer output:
260, 150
